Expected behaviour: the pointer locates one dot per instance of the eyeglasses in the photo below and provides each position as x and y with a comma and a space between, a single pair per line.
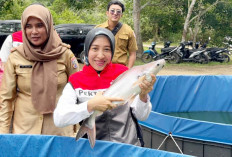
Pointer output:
117, 12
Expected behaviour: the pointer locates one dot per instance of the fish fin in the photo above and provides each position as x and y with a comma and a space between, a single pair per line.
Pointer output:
92, 136
140, 79
82, 131
119, 77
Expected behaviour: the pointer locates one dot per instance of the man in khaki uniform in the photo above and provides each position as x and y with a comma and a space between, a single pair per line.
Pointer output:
125, 41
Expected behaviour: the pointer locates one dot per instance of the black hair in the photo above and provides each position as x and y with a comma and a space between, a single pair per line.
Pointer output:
116, 2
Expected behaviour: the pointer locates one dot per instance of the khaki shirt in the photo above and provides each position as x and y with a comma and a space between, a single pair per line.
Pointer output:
15, 96
125, 42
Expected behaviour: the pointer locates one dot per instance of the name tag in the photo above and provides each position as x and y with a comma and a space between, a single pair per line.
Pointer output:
25, 66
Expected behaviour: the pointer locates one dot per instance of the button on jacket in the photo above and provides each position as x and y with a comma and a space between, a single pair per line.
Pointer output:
125, 42
15, 101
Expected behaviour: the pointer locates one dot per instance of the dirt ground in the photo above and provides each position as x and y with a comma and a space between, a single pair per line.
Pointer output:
199, 70
176, 69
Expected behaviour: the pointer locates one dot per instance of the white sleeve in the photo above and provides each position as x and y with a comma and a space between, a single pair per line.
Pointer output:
6, 47
140, 109
67, 112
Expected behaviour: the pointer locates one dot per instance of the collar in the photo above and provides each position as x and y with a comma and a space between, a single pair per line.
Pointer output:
106, 24
91, 70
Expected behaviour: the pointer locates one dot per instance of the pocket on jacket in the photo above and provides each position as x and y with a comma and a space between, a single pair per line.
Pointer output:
122, 42
123, 37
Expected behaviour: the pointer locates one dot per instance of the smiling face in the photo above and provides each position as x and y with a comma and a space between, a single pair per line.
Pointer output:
100, 53
36, 32
114, 13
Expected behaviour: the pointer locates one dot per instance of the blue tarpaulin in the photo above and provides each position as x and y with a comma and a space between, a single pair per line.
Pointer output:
190, 94
12, 145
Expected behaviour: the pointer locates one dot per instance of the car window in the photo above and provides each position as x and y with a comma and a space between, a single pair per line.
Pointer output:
79, 31
70, 32
6, 28
9, 27
60, 31
86, 30
17, 27
66, 31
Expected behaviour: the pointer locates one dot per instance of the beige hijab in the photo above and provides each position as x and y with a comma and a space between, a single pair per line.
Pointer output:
44, 72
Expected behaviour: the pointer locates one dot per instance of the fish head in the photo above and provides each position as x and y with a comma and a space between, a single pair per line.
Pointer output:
154, 67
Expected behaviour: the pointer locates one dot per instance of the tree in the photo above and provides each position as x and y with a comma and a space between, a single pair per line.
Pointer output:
198, 18
203, 6
136, 17
186, 24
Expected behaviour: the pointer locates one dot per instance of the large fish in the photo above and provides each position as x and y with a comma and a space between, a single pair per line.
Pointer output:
126, 86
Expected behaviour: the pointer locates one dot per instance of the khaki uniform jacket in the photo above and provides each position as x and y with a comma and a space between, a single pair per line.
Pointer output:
125, 42
16, 107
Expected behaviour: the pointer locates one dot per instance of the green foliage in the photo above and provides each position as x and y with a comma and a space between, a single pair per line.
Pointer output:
162, 20
59, 6
13, 9
217, 24
66, 16
5, 5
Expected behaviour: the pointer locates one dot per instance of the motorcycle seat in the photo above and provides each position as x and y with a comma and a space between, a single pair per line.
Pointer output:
214, 49
195, 50
167, 49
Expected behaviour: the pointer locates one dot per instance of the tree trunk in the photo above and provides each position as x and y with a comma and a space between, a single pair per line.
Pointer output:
186, 24
196, 29
136, 18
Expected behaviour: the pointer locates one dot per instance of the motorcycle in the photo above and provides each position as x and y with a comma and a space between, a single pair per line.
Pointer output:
218, 54
167, 44
198, 55
228, 43
149, 54
169, 54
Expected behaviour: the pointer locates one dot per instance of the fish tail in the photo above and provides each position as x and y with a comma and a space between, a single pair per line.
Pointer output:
92, 136
90, 132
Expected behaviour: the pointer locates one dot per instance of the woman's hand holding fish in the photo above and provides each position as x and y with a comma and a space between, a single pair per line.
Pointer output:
146, 87
102, 103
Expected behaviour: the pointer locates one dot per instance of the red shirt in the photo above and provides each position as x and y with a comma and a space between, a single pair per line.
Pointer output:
89, 79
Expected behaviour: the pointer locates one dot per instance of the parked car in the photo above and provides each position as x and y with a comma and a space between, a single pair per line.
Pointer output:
8, 27
74, 35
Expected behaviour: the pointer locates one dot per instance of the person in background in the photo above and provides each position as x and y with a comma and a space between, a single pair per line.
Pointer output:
34, 77
83, 94
12, 40
125, 41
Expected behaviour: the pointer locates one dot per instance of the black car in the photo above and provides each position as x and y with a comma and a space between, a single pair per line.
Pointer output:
8, 27
74, 35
